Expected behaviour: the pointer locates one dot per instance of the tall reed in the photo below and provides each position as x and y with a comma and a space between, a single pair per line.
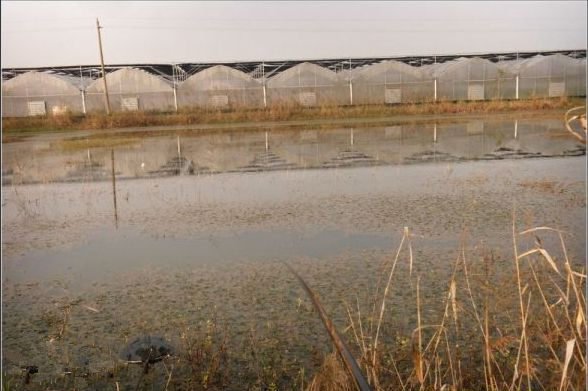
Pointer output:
542, 347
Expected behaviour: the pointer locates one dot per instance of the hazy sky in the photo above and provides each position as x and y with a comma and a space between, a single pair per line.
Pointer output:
64, 33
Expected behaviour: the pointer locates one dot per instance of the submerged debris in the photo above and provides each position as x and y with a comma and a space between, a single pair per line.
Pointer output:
431, 156
88, 171
30, 370
580, 150
175, 166
509, 153
267, 161
146, 350
349, 158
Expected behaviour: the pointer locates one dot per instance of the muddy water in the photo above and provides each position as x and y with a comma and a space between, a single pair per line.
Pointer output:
190, 249
81, 157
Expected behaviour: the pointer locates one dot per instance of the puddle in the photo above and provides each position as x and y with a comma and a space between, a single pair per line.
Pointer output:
109, 252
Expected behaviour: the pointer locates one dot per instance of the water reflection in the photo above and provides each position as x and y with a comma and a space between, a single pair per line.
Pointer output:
177, 165
35, 161
266, 161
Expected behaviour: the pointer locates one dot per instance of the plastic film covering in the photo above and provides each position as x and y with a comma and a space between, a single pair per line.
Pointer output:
220, 87
40, 93
471, 79
307, 84
131, 89
549, 76
391, 82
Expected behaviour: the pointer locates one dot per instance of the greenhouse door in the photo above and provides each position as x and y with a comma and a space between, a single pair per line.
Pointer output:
557, 89
219, 101
392, 95
129, 104
37, 108
307, 98
476, 92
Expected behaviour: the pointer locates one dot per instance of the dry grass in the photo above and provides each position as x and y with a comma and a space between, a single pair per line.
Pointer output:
521, 334
570, 197
332, 376
184, 117
544, 186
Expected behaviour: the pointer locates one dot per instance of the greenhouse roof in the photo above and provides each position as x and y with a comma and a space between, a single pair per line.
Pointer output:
75, 82
516, 66
305, 66
259, 69
385, 66
97, 84
438, 69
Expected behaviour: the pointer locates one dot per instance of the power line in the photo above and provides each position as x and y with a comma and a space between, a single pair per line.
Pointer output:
44, 30
310, 19
341, 30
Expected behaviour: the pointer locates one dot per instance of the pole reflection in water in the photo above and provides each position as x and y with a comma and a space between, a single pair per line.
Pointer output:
114, 189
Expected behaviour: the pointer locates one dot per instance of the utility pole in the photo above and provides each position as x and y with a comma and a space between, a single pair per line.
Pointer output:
106, 100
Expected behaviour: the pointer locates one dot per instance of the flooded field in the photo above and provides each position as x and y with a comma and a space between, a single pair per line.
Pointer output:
205, 223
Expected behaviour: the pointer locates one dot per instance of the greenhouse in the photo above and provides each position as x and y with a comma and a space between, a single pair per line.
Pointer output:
471, 79
335, 82
220, 86
36, 93
548, 76
307, 84
131, 89
391, 82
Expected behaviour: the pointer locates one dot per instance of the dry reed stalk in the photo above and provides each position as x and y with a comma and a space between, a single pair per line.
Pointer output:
569, 352
423, 363
397, 373
91, 308
469, 289
419, 358
383, 307
570, 281
488, 359
365, 355
365, 351
581, 300
520, 290
359, 340
488, 356
544, 299
452, 296
451, 367
516, 366
407, 233
546, 255
542, 228
169, 376
450, 299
